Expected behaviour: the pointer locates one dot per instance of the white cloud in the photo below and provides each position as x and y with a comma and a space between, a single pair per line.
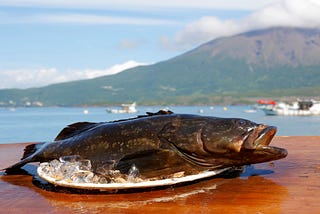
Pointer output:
294, 13
92, 73
99, 19
199, 31
142, 4
26, 78
80, 18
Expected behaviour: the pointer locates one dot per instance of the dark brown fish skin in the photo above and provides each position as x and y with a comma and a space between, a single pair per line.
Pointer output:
162, 144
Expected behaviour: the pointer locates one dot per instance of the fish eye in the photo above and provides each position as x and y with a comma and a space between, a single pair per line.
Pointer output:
241, 122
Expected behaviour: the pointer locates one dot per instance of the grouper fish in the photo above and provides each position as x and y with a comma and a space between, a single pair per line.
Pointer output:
161, 143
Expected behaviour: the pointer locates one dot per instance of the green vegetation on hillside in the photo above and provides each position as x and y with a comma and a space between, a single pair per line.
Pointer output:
219, 72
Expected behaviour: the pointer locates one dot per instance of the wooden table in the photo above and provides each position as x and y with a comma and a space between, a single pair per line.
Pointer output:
290, 185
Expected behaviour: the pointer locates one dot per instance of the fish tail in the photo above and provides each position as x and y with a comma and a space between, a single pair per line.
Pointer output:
29, 152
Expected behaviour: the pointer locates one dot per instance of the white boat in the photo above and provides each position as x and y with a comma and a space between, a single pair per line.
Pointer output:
125, 108
299, 108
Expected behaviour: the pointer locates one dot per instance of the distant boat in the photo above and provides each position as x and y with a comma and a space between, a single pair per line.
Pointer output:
125, 108
299, 108
250, 111
265, 104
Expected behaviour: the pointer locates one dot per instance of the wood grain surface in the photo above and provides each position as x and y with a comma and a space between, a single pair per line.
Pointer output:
290, 185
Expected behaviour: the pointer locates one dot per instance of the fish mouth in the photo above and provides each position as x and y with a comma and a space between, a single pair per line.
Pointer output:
260, 137
257, 145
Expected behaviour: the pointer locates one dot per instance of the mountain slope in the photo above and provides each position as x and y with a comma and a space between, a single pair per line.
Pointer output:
258, 62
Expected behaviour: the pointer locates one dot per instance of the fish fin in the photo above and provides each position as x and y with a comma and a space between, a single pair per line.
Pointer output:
125, 162
29, 153
148, 114
29, 150
74, 129
155, 164
160, 112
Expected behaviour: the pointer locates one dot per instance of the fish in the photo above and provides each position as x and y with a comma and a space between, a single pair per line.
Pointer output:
161, 144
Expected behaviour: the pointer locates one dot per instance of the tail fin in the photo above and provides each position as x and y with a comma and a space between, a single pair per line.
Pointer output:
29, 152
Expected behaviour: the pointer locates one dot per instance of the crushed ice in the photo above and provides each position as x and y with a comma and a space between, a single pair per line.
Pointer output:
74, 169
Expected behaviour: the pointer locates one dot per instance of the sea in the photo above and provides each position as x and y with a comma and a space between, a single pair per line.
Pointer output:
42, 124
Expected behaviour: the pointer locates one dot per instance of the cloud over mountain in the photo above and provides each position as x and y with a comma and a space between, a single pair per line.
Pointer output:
26, 78
293, 13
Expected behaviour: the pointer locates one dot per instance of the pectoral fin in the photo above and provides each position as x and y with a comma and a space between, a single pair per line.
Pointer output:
156, 164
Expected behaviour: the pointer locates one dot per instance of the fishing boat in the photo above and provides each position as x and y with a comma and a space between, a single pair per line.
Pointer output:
264, 104
125, 108
298, 108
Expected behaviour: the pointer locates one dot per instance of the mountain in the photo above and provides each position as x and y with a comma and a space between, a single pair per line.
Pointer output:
269, 62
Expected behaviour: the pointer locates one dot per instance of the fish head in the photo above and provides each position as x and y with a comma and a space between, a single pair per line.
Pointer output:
241, 142
222, 142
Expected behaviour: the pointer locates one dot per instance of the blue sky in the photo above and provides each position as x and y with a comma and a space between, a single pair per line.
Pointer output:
49, 41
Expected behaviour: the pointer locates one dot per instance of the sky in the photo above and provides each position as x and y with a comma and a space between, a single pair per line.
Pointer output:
51, 41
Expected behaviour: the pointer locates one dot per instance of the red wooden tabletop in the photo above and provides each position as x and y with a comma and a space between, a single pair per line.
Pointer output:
290, 185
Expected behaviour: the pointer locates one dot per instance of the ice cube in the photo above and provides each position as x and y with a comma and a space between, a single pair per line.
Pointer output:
115, 173
120, 180
76, 178
52, 168
77, 170
70, 158
82, 177
133, 173
89, 177
67, 170
95, 179
106, 168
85, 165
55, 164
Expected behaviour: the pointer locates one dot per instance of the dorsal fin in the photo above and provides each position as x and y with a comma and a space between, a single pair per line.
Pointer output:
77, 128
148, 114
160, 112
74, 129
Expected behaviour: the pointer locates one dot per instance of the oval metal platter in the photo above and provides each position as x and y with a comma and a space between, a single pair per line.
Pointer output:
129, 185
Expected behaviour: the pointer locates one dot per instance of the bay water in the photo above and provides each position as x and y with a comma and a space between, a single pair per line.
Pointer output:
43, 124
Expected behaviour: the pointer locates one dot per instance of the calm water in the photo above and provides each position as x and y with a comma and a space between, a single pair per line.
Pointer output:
43, 124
